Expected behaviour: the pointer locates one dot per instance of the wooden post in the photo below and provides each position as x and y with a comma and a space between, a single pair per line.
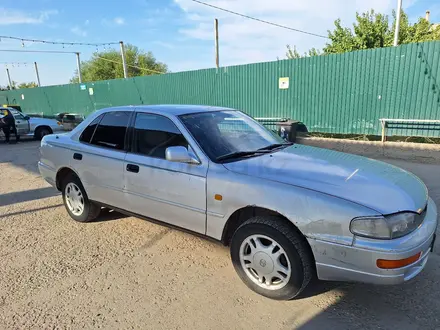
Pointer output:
383, 124
9, 78
217, 60
37, 74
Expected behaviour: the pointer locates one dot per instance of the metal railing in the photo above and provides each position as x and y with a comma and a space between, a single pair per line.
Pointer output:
385, 121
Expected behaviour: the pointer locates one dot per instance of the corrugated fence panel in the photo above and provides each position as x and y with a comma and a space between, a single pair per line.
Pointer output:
346, 93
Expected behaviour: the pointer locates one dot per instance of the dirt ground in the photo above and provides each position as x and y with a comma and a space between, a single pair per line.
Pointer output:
127, 273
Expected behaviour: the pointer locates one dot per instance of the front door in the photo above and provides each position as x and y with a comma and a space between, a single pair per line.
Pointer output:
21, 123
157, 188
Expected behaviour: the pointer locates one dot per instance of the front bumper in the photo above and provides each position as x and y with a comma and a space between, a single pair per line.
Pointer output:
357, 263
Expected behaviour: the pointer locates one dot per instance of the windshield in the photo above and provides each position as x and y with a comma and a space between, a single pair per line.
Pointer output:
221, 133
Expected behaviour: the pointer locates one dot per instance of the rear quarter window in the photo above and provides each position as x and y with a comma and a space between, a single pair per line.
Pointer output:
87, 134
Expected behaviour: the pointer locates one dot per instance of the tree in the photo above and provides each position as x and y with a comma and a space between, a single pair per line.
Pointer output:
108, 65
293, 53
31, 84
373, 30
7, 87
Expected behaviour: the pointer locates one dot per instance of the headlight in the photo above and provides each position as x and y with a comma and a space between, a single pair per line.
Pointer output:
388, 227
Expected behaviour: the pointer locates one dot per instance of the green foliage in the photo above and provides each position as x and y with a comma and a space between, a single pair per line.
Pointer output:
7, 87
293, 53
108, 65
372, 30
31, 84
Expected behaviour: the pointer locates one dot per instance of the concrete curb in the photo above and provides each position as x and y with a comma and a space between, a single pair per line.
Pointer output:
420, 152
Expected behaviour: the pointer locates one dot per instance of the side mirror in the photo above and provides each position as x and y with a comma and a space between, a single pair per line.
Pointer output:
27, 117
180, 155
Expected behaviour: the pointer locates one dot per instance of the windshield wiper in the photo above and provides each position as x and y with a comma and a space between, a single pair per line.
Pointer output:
239, 154
276, 145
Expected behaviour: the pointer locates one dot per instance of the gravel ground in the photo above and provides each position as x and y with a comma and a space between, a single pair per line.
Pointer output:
126, 273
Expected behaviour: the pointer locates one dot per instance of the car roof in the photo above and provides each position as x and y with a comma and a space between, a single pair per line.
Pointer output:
10, 109
172, 109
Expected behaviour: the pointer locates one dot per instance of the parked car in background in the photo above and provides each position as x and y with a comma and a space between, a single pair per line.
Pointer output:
288, 212
13, 106
33, 126
69, 120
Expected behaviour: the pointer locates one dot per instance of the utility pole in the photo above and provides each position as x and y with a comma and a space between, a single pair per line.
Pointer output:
217, 60
396, 32
9, 78
78, 65
38, 76
124, 63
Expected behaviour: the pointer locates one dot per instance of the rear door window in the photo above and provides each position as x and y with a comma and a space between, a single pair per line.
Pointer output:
111, 131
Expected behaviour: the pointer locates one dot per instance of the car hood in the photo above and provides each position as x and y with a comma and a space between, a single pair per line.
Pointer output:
382, 187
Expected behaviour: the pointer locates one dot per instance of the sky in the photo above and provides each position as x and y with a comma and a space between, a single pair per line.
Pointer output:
180, 33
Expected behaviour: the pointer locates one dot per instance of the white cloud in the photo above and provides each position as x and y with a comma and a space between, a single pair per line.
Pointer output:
164, 44
117, 21
12, 16
79, 31
243, 40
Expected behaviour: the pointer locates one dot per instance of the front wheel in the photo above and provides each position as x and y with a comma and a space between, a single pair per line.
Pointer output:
77, 204
272, 258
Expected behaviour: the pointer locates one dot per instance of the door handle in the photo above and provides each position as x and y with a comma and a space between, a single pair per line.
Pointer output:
132, 168
77, 156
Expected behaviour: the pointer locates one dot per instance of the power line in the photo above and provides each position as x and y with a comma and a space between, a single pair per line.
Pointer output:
37, 51
59, 42
133, 66
260, 20
16, 63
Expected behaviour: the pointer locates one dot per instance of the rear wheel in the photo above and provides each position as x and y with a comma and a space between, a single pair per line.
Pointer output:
77, 204
272, 258
41, 132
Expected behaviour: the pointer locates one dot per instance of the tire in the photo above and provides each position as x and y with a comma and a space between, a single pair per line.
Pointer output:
72, 186
292, 248
41, 132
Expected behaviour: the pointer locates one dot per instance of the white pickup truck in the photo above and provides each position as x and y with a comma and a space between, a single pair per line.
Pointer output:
33, 127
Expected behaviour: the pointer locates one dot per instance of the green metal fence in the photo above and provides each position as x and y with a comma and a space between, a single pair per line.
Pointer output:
345, 93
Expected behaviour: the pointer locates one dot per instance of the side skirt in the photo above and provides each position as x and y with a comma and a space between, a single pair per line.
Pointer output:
158, 222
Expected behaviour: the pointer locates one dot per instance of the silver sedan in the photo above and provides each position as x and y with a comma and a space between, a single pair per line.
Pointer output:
288, 212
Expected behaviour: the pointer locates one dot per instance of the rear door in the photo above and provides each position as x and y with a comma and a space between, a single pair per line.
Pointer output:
99, 158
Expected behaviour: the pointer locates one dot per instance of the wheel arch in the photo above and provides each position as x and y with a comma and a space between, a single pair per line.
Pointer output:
62, 173
39, 127
247, 212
